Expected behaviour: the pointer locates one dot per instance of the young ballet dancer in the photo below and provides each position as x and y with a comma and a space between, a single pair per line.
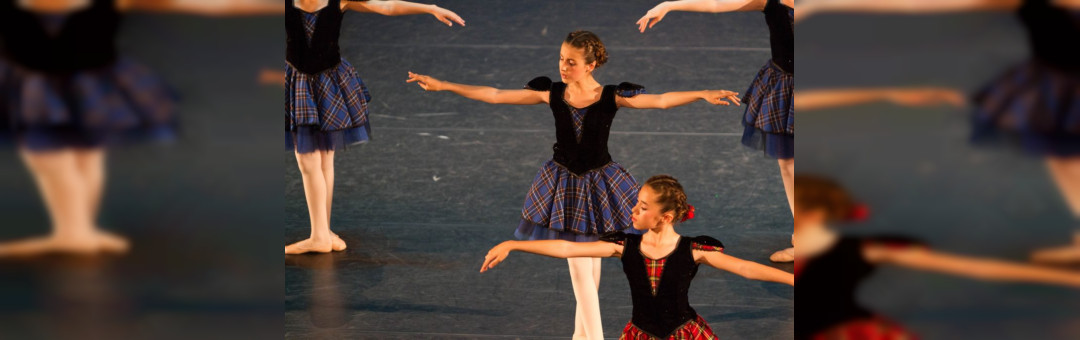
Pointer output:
659, 264
769, 120
1035, 102
326, 104
581, 192
830, 266
66, 93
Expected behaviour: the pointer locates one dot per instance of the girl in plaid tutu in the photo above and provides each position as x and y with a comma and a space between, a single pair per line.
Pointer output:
1036, 103
769, 120
659, 264
66, 93
581, 192
326, 101
830, 267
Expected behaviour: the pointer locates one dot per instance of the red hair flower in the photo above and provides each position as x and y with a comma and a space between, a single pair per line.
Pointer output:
859, 213
689, 213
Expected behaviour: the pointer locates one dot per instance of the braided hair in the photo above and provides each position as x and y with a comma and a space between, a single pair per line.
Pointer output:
594, 48
670, 195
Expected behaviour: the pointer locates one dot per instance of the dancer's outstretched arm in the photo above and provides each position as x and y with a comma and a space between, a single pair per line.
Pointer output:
748, 269
928, 96
810, 7
673, 99
204, 7
395, 8
552, 248
708, 6
967, 266
485, 94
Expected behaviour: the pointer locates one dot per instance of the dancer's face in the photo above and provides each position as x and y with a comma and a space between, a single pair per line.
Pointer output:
572, 66
648, 214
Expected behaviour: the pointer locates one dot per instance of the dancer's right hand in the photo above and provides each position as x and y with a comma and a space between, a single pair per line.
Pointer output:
652, 17
495, 256
271, 77
426, 82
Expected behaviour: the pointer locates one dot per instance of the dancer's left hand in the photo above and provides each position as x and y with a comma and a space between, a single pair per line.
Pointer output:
446, 16
722, 97
271, 77
495, 256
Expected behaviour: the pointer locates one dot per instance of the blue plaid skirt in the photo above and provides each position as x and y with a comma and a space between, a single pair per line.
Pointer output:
123, 102
769, 121
325, 111
1035, 106
562, 205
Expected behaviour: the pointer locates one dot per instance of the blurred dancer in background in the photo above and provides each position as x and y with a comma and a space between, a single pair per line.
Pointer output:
831, 267
67, 93
1035, 103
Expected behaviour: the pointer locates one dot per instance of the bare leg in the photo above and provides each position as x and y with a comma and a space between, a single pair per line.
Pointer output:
315, 192
65, 198
91, 166
1066, 174
328, 177
787, 172
587, 322
596, 271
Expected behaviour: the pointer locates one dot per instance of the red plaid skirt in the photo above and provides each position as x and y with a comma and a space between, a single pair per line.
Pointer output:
866, 329
695, 329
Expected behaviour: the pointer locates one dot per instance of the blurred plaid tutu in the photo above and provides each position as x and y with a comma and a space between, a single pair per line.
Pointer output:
123, 102
1034, 105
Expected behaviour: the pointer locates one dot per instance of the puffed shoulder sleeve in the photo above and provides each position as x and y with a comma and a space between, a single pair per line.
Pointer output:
539, 84
616, 237
706, 243
629, 89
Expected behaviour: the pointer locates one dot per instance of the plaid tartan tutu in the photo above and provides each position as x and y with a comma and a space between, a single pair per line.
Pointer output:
120, 103
769, 121
695, 329
564, 206
1034, 105
866, 329
326, 111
